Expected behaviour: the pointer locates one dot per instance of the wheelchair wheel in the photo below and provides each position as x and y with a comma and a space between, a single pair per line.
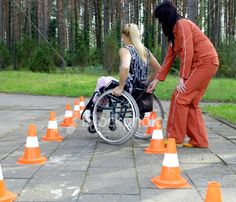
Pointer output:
158, 109
115, 118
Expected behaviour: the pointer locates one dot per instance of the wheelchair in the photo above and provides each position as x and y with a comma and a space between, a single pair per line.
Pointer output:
117, 119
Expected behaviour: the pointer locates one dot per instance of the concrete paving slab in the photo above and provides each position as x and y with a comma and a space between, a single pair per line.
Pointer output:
110, 161
170, 195
227, 194
111, 181
15, 185
201, 174
84, 168
108, 198
53, 186
19, 171
75, 163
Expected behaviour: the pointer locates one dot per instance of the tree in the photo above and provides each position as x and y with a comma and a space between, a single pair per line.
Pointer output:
192, 9
1, 20
98, 22
61, 29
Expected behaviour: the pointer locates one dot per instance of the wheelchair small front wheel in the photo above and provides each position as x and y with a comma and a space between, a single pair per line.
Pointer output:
111, 115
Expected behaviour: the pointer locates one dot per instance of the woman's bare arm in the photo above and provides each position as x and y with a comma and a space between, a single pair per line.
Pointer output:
155, 67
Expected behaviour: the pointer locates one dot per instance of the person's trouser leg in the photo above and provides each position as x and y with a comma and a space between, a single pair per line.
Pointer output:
182, 104
196, 128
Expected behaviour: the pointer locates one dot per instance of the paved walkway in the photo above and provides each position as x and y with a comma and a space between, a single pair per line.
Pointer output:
83, 168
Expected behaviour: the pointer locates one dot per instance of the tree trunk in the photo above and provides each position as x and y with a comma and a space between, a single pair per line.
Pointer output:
86, 24
136, 11
40, 6
1, 21
7, 22
61, 29
217, 23
28, 19
126, 11
106, 16
192, 9
15, 29
98, 22
72, 26
47, 6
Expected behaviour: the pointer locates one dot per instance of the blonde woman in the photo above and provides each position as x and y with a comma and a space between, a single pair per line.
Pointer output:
135, 61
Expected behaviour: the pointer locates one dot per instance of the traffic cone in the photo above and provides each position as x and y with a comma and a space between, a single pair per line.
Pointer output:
145, 120
151, 124
5, 196
170, 173
81, 103
68, 120
76, 113
52, 133
156, 144
213, 193
32, 150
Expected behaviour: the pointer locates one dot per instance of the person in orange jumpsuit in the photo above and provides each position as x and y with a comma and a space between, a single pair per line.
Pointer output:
199, 63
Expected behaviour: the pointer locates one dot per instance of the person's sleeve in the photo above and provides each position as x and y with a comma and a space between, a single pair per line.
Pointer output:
185, 38
168, 61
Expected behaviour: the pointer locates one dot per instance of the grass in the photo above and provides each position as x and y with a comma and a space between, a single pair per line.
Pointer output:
71, 84
76, 84
222, 111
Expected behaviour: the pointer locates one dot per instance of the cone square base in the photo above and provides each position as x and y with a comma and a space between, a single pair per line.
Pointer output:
52, 139
166, 184
39, 160
68, 125
8, 197
148, 150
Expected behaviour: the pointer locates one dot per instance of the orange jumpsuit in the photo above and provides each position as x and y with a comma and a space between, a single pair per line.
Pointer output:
199, 63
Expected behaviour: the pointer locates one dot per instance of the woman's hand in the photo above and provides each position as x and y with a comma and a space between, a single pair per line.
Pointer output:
117, 91
181, 86
152, 86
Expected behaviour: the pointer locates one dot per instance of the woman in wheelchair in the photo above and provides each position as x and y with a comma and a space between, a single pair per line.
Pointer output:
135, 63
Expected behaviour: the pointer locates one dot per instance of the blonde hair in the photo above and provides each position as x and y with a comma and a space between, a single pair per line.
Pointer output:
132, 32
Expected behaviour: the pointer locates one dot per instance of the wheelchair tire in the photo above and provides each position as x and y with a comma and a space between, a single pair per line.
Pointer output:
123, 110
158, 108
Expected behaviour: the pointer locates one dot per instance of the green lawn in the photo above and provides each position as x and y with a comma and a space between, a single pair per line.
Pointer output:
223, 111
68, 84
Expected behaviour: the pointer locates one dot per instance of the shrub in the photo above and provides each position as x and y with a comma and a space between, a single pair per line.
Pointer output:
110, 53
24, 50
227, 57
42, 60
4, 56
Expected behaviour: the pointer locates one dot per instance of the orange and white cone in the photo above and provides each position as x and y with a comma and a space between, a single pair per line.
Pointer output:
32, 150
151, 124
170, 173
156, 144
213, 193
52, 133
81, 103
5, 196
68, 119
76, 112
145, 120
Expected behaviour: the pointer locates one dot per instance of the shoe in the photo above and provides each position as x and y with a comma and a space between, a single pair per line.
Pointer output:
165, 141
179, 145
192, 146
188, 145
86, 116
91, 129
112, 125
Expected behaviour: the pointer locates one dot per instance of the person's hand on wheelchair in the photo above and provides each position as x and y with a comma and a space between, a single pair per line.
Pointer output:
152, 86
117, 91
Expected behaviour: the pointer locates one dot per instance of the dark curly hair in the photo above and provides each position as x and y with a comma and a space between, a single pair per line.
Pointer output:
167, 15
